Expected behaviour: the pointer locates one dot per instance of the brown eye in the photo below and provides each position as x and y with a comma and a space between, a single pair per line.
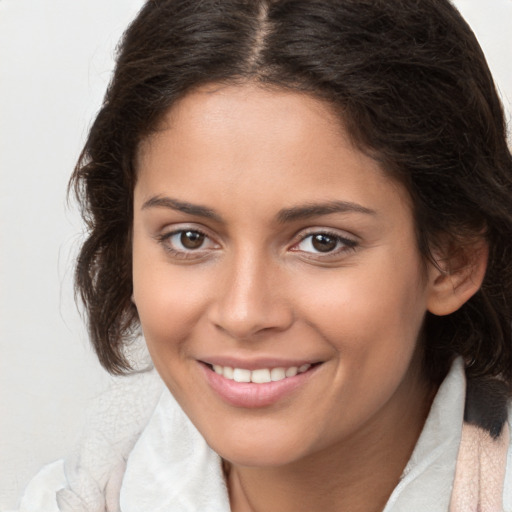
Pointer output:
323, 242
192, 239
186, 243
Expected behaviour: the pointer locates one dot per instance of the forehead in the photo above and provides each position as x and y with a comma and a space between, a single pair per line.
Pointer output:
219, 108
273, 144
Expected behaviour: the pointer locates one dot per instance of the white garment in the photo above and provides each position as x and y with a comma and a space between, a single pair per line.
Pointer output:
171, 468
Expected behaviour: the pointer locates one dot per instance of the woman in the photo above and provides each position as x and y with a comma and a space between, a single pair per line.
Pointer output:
306, 208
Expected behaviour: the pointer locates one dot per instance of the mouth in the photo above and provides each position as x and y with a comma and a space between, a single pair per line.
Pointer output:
258, 387
260, 375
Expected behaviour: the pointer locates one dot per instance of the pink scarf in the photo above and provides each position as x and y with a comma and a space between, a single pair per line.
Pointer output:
480, 471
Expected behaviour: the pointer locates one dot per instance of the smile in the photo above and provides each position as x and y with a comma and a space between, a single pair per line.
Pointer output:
259, 376
261, 387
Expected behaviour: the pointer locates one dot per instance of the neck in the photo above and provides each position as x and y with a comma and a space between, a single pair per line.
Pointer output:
358, 474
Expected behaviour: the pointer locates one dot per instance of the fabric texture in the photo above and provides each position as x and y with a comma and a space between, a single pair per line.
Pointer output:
89, 480
140, 452
480, 471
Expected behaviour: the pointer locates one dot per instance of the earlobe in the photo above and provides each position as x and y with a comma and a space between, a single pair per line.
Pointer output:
454, 281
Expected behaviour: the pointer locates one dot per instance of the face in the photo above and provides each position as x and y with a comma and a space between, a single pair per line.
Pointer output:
276, 275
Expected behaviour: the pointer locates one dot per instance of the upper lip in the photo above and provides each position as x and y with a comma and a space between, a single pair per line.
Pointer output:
257, 363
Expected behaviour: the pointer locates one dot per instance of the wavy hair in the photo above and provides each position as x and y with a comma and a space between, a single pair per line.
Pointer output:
413, 89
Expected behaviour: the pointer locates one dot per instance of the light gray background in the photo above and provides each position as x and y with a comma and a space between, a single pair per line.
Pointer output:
55, 62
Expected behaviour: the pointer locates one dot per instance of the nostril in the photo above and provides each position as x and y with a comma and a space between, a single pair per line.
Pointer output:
253, 322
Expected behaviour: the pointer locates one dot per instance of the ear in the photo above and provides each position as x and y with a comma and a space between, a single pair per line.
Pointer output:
455, 278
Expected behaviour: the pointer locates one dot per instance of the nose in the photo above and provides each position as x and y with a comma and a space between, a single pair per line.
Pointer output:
251, 298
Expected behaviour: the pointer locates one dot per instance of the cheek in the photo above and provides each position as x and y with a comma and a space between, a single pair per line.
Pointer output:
371, 319
370, 311
169, 303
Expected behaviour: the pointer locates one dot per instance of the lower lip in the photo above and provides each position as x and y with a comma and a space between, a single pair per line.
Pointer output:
251, 395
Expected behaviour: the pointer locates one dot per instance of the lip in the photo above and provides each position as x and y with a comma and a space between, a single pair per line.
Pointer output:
250, 395
258, 363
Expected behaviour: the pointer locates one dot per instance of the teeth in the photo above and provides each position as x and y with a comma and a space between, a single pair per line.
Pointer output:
277, 374
241, 375
228, 372
292, 371
259, 376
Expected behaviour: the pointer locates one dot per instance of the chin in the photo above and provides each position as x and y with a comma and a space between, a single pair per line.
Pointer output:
259, 450
263, 457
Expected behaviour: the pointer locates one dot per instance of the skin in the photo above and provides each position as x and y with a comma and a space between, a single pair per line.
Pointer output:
256, 286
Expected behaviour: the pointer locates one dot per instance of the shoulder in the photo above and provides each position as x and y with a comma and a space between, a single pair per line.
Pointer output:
92, 472
41, 493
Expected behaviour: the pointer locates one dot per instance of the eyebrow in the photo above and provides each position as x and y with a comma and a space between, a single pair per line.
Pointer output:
316, 209
181, 206
285, 215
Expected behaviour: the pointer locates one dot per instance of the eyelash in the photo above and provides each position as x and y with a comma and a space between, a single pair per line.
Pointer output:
164, 240
343, 244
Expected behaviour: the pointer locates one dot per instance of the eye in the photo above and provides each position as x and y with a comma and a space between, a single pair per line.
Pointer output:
324, 243
185, 242
189, 239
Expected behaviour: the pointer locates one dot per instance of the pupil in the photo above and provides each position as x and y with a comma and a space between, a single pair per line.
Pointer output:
192, 239
324, 243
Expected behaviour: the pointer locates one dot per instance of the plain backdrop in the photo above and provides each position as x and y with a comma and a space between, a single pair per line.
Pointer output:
56, 57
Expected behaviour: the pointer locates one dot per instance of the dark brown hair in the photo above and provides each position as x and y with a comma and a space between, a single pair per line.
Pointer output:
413, 89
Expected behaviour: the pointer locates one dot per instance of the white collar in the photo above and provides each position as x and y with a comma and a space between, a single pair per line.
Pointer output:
427, 481
172, 468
